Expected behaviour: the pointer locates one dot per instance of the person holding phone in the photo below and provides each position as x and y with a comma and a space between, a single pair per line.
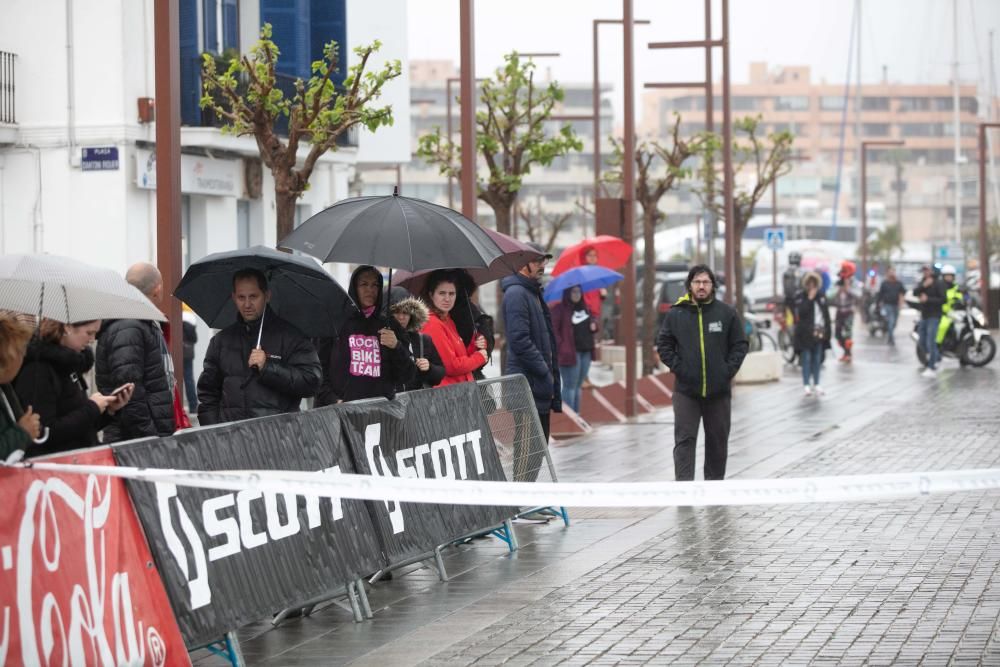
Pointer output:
51, 381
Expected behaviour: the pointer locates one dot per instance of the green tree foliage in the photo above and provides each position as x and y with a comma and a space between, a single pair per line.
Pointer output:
510, 136
659, 167
763, 159
247, 97
886, 243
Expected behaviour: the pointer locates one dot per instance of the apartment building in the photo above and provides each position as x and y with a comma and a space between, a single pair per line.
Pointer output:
915, 182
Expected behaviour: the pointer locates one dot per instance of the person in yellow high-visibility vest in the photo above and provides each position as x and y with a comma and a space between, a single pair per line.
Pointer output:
952, 297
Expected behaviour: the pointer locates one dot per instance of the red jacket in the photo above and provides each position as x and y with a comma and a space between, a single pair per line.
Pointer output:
459, 360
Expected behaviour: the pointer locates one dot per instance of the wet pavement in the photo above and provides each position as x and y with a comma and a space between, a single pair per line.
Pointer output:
913, 581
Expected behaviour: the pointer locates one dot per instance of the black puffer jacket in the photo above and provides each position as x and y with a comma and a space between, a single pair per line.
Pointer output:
419, 345
229, 390
703, 345
132, 351
51, 382
376, 370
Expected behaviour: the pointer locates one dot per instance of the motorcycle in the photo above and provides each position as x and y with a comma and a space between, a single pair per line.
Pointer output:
967, 340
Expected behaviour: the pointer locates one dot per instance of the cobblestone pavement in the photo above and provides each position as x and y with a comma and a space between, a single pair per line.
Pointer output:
910, 582
906, 582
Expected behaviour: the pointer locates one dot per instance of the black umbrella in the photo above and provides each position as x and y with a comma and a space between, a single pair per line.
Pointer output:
394, 231
302, 292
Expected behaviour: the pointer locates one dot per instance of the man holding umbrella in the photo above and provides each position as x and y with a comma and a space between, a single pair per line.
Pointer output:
258, 366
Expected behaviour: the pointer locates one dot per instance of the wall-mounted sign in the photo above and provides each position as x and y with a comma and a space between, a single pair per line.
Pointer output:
100, 158
199, 175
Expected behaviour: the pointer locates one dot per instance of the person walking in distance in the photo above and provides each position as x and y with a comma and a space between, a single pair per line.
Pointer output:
844, 300
259, 365
812, 331
575, 327
531, 351
930, 293
890, 300
702, 341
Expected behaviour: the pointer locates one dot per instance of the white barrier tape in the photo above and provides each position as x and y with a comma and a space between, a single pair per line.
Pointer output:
851, 488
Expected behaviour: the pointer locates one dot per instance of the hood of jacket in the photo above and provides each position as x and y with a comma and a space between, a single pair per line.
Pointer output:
352, 290
813, 275
415, 308
522, 280
63, 359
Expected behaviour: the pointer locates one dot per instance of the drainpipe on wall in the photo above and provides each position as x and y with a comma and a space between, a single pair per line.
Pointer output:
70, 86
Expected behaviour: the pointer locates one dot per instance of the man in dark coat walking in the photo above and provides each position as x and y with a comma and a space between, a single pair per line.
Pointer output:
244, 379
135, 351
701, 340
531, 351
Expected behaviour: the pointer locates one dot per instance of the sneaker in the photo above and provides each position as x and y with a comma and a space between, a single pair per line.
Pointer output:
819, 390
929, 373
808, 391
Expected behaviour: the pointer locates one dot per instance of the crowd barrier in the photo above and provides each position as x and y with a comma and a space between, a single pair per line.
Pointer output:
226, 557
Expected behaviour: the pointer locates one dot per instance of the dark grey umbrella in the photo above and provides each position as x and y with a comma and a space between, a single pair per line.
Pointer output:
394, 231
302, 292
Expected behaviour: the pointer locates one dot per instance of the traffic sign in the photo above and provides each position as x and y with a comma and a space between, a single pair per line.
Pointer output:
774, 238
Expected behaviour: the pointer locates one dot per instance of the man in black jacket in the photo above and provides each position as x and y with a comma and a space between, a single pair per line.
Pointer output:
931, 293
701, 340
135, 351
258, 366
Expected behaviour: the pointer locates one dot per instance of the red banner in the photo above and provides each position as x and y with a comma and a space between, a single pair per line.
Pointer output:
77, 581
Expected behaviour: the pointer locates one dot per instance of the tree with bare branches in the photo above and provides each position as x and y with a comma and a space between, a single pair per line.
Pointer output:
659, 169
248, 98
762, 158
510, 136
540, 226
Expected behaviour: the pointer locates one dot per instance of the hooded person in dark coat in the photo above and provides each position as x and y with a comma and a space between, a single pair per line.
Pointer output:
811, 336
51, 381
241, 380
366, 359
701, 340
412, 314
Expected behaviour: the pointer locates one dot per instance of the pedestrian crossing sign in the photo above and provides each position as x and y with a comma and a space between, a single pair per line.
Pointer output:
774, 238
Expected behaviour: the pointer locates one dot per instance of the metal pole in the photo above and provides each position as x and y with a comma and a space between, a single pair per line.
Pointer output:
467, 76
984, 253
774, 251
167, 60
956, 119
858, 136
864, 212
451, 179
709, 126
727, 157
628, 194
597, 125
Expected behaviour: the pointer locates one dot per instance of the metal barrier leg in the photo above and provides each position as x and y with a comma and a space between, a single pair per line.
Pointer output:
366, 607
439, 562
355, 607
227, 647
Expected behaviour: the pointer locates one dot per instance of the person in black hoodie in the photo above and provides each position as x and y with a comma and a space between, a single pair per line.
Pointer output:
412, 314
244, 379
51, 381
366, 359
702, 341
931, 294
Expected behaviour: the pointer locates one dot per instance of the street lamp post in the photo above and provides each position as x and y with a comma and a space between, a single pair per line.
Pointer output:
984, 252
467, 74
864, 198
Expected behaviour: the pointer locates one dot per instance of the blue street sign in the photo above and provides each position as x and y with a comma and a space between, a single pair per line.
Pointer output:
774, 238
102, 158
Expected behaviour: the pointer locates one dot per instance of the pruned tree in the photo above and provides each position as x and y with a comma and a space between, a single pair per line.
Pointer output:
510, 136
659, 169
248, 98
762, 159
540, 226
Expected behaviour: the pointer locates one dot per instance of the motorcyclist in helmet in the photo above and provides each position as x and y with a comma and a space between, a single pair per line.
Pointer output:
953, 298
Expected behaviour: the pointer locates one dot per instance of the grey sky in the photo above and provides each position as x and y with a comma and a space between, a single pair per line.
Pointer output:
913, 38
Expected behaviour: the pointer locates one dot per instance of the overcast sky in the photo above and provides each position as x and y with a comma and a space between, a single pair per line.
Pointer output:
913, 38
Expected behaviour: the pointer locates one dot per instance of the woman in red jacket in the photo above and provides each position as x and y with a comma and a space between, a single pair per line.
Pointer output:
460, 360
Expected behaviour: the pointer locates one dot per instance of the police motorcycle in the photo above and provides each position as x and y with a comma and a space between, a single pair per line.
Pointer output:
967, 340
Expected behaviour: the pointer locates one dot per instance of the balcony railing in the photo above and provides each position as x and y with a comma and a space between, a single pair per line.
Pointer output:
7, 87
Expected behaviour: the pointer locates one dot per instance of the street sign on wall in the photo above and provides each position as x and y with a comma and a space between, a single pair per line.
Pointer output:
99, 158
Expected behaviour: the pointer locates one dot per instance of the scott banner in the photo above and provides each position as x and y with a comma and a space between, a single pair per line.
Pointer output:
77, 582
432, 433
228, 558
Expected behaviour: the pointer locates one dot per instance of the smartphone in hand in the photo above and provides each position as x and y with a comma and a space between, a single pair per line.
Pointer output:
121, 389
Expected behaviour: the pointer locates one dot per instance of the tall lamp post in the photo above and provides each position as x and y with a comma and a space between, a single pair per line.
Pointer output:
449, 130
984, 251
864, 198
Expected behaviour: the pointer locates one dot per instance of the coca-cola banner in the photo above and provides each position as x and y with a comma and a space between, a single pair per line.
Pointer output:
437, 433
230, 558
77, 582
